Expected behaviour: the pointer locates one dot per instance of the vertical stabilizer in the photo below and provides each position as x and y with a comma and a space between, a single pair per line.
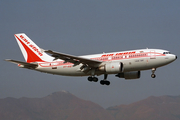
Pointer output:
30, 51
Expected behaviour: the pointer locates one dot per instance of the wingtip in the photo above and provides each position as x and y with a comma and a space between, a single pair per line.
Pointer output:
7, 59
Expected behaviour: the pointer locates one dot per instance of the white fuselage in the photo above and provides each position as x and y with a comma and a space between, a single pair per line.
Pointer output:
133, 60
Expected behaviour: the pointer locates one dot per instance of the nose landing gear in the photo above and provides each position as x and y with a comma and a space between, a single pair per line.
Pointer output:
153, 71
153, 75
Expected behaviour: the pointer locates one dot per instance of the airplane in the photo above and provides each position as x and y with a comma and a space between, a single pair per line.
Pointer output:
124, 64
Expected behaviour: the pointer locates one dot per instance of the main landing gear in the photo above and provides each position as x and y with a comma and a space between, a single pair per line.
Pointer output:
102, 82
153, 71
105, 81
94, 79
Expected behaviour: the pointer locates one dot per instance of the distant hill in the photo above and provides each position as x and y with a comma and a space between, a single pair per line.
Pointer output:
57, 106
65, 106
152, 108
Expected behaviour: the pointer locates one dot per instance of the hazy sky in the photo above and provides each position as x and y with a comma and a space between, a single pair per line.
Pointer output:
80, 27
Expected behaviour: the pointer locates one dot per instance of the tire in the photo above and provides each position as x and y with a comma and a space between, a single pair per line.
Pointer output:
102, 82
90, 79
95, 79
153, 75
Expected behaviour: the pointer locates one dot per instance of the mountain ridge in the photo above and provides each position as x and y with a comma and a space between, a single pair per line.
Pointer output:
152, 108
58, 105
65, 106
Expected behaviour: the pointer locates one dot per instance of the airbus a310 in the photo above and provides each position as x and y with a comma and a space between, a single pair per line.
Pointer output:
124, 64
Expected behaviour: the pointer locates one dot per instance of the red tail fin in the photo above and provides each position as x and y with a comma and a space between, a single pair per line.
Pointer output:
31, 52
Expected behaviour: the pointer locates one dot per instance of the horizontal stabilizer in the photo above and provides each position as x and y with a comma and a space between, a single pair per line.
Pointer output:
23, 64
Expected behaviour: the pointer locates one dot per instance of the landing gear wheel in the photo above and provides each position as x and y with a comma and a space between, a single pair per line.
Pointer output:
153, 75
95, 79
90, 79
153, 71
107, 83
104, 82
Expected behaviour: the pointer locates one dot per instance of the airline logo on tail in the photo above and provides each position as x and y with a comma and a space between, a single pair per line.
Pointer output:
31, 45
30, 50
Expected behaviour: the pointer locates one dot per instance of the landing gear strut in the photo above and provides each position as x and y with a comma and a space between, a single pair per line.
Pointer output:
153, 71
92, 78
105, 81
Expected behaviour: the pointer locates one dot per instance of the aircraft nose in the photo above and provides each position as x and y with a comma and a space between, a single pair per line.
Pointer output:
175, 57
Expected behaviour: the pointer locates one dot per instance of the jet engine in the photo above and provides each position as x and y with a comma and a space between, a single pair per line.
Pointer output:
129, 75
112, 67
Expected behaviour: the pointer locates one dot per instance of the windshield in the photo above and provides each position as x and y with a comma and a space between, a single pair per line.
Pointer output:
166, 52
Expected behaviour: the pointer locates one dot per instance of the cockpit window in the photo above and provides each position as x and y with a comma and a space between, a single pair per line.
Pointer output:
166, 52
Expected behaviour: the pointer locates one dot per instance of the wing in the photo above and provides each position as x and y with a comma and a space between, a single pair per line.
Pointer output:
76, 60
23, 64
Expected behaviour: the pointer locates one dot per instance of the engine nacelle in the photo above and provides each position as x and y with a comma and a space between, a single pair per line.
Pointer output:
112, 67
129, 75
